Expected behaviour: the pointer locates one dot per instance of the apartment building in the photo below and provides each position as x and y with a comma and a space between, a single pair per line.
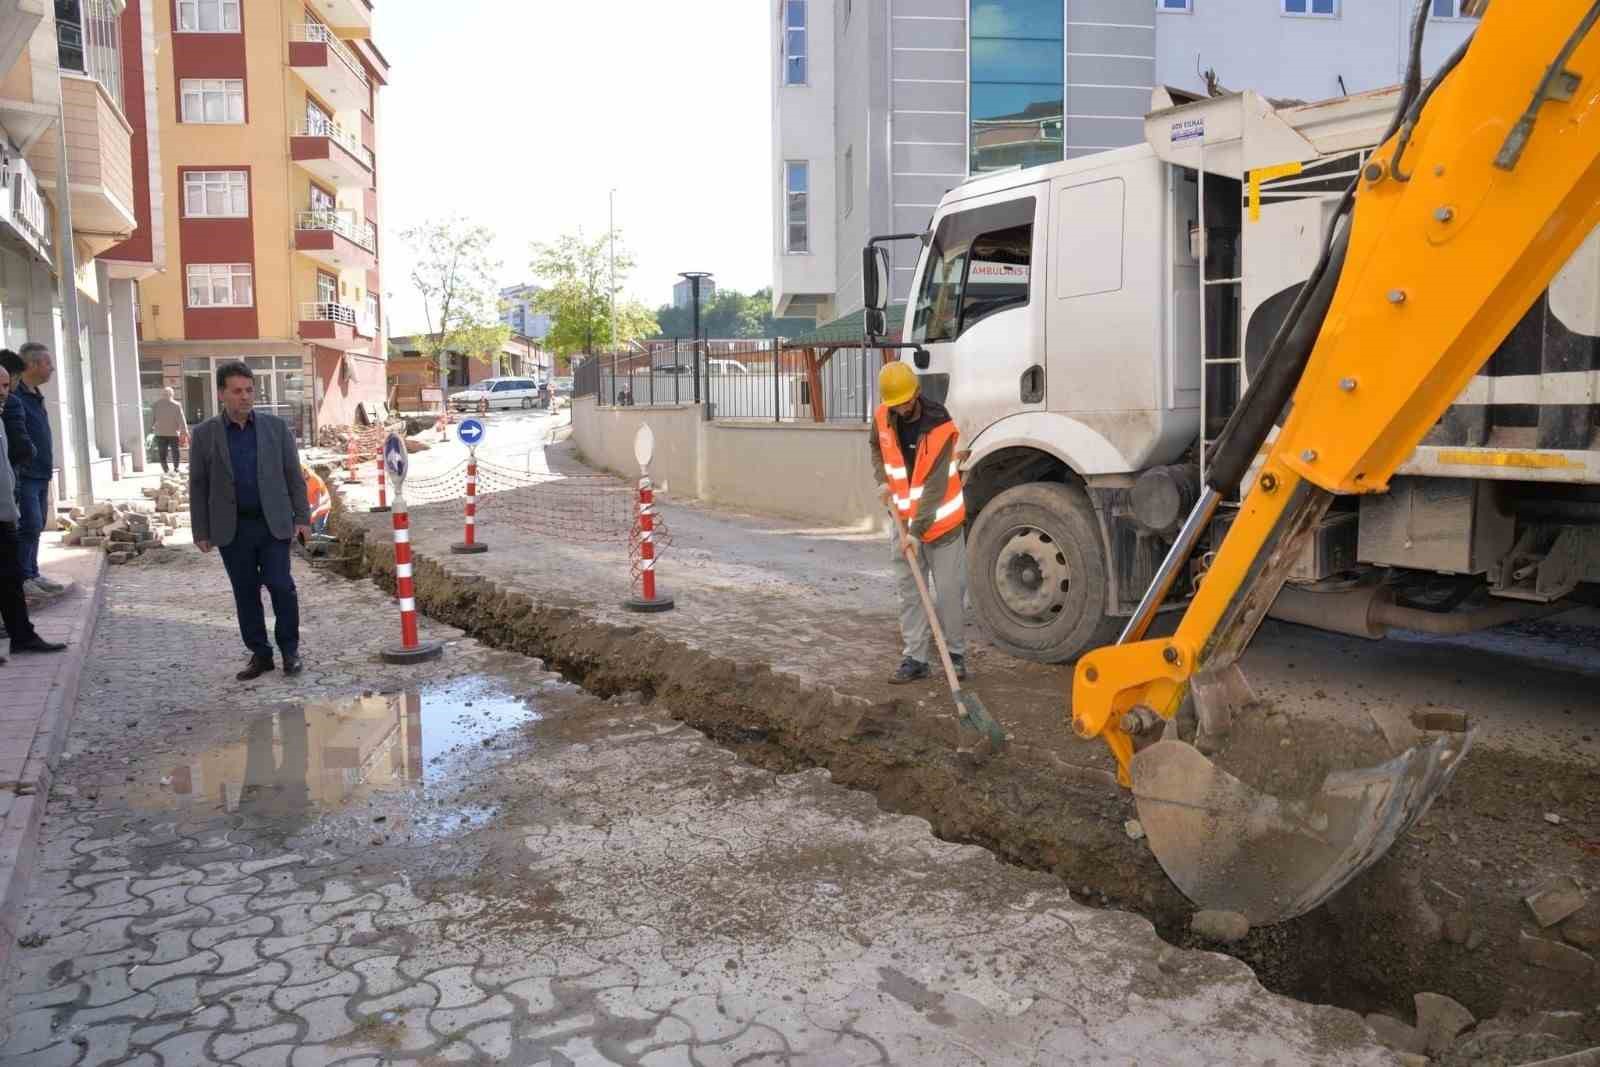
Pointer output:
516, 304
270, 173
683, 292
74, 189
879, 109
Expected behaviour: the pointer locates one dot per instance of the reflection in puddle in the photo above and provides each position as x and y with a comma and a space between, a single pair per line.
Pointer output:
322, 755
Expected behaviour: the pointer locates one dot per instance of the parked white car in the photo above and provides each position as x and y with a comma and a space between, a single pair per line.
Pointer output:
499, 392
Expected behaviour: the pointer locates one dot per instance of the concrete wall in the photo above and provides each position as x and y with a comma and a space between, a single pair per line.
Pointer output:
806, 471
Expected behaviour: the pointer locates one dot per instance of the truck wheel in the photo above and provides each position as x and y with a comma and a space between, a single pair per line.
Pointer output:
1037, 571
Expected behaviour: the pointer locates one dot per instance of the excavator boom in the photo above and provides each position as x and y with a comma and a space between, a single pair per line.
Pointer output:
1459, 220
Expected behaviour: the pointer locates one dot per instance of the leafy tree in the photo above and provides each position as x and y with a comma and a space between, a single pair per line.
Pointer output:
456, 274
579, 287
731, 314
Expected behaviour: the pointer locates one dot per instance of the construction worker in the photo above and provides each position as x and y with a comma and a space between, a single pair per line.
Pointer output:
914, 459
318, 499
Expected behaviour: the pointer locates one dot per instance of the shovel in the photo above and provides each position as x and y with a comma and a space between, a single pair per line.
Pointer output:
970, 711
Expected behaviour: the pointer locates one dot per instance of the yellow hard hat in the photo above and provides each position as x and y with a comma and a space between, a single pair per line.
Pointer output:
897, 383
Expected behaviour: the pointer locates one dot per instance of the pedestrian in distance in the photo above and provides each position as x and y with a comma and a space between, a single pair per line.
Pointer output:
13, 604
33, 476
914, 461
166, 417
247, 499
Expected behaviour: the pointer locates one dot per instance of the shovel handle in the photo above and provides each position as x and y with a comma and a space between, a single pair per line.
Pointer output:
927, 601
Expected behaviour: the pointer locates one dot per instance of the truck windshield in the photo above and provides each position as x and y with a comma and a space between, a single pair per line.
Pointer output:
978, 264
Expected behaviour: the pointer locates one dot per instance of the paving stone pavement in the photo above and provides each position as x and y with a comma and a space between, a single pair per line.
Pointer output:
499, 868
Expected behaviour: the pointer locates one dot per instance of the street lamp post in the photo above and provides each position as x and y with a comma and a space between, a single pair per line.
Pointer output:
612, 234
694, 278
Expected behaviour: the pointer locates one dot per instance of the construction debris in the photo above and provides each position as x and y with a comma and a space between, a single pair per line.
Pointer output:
1553, 955
1556, 901
1440, 1019
126, 530
1394, 1034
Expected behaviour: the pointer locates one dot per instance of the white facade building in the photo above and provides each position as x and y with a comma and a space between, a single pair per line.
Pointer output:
879, 109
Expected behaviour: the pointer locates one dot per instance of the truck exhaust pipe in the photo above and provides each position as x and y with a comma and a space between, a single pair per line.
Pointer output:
1371, 612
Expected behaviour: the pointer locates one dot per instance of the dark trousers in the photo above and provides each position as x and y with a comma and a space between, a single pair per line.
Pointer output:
33, 498
13, 606
256, 559
163, 445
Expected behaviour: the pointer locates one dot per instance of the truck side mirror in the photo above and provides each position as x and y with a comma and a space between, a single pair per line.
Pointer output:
874, 278
876, 324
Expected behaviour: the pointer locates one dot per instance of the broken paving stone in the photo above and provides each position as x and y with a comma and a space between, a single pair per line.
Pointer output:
1556, 901
1219, 925
1552, 818
1396, 1035
1567, 1025
1440, 1019
1553, 955
1583, 932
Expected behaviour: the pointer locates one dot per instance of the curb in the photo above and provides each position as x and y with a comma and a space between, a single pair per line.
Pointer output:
22, 812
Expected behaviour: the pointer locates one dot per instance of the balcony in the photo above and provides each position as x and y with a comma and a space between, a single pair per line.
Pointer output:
335, 326
100, 160
332, 153
328, 66
347, 15
337, 239
18, 20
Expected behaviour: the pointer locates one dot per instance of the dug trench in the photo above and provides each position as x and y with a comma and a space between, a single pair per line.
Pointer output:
1412, 923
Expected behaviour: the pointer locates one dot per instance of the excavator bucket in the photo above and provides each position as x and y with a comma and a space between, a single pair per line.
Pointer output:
1228, 845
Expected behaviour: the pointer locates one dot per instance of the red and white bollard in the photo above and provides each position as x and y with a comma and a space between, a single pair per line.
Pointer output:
410, 649
352, 464
469, 544
649, 598
383, 490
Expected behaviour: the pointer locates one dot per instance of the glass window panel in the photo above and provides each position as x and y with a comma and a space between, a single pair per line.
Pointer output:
798, 176
258, 362
215, 108
236, 105
795, 13
999, 242
1018, 18
795, 73
243, 289
1295, 7
193, 197
196, 363
999, 60
1323, 7
1015, 125
289, 363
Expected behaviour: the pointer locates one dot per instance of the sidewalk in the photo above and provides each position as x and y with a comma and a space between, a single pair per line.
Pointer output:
40, 698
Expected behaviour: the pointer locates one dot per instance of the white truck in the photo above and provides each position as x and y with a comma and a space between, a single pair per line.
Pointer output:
1092, 323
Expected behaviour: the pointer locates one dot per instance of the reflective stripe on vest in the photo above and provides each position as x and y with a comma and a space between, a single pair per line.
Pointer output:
951, 512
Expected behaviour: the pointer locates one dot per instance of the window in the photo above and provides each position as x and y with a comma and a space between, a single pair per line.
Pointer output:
220, 285
214, 99
978, 264
849, 179
1319, 8
796, 186
1455, 9
208, 16
372, 310
317, 118
327, 288
1017, 57
794, 42
322, 200
89, 41
216, 194
1174, 5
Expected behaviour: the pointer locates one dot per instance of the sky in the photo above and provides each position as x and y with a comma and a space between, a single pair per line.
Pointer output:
524, 114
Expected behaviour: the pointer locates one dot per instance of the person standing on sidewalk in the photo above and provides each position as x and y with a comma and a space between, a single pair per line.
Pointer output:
13, 604
914, 461
247, 499
166, 415
33, 477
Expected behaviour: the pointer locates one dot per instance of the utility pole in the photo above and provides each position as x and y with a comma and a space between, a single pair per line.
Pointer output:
694, 278
612, 234
74, 370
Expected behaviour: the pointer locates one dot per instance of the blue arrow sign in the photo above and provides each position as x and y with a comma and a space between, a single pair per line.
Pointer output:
470, 431
395, 460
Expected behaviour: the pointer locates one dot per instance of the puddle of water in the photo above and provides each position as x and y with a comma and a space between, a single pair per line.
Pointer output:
322, 756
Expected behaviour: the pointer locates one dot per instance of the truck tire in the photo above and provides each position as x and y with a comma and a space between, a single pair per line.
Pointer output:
1037, 570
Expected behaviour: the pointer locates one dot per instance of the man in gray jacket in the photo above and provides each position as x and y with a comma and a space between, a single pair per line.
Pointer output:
166, 417
13, 605
247, 498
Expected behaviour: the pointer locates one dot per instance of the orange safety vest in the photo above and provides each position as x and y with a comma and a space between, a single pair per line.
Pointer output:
316, 494
907, 488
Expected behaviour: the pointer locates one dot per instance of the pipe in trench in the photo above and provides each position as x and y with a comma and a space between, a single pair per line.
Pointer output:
1369, 612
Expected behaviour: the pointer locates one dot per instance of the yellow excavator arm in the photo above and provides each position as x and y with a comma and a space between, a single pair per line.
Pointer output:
1487, 184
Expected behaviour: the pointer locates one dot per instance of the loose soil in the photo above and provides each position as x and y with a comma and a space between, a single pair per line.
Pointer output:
1442, 912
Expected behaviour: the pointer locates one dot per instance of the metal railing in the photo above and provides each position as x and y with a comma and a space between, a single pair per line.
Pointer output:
322, 312
316, 33
317, 126
342, 223
759, 379
93, 44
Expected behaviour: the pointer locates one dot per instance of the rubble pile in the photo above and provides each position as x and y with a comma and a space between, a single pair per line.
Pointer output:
127, 530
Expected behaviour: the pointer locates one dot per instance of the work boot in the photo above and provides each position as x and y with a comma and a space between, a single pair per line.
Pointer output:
257, 666
959, 662
36, 644
292, 665
49, 585
911, 670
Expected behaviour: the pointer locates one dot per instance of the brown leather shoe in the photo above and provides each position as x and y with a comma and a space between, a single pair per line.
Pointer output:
257, 666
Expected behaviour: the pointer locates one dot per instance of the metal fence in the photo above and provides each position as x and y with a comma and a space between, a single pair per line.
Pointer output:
739, 379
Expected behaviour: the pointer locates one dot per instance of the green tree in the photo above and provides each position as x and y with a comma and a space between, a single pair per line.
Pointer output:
730, 314
579, 286
455, 273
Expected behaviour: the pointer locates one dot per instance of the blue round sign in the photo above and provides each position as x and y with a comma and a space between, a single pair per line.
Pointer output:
395, 459
470, 431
